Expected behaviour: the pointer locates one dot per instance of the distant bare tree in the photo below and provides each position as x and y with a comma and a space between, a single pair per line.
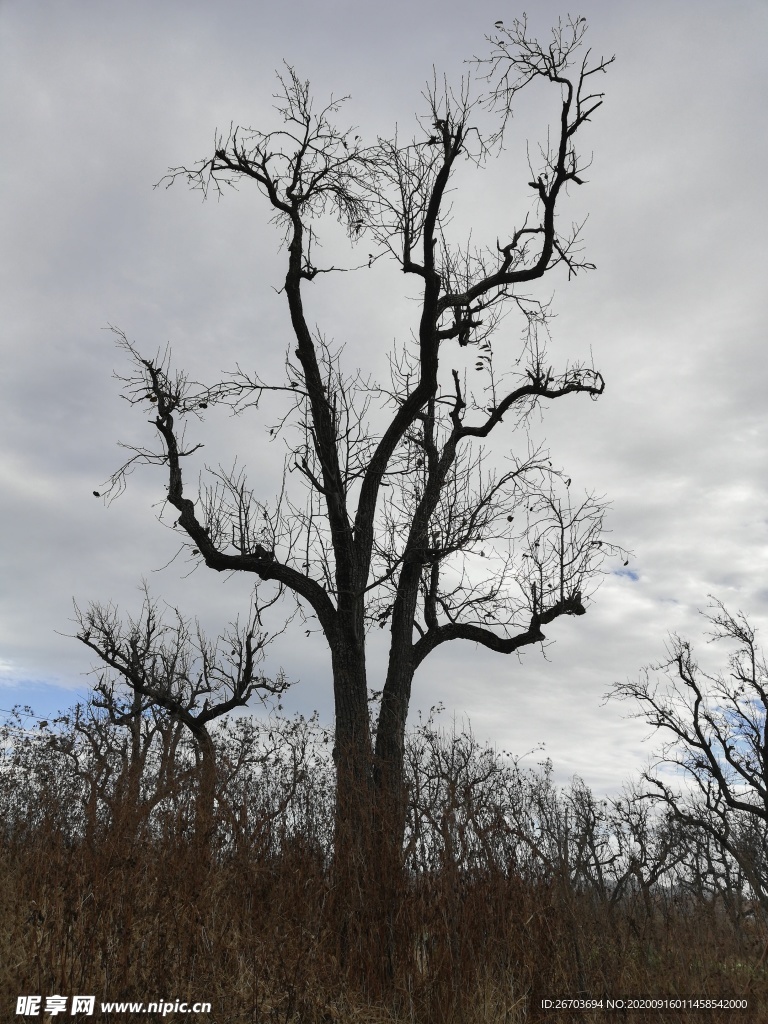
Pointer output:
176, 668
275, 784
124, 753
649, 846
716, 739
404, 524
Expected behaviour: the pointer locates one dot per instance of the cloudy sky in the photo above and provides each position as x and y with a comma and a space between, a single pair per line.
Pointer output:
97, 100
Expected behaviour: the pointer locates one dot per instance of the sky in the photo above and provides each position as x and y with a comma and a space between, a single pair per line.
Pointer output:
97, 100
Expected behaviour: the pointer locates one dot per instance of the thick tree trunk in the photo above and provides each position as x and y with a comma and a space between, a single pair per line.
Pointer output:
370, 822
361, 877
392, 797
353, 757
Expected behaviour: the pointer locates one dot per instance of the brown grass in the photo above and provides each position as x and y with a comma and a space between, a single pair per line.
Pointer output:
125, 911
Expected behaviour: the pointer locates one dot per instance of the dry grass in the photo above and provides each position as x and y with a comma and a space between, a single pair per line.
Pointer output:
124, 909
148, 921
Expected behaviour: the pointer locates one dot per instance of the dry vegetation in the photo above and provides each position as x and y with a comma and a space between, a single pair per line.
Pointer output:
514, 891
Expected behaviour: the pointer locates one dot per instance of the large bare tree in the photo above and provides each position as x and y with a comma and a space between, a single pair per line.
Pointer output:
394, 514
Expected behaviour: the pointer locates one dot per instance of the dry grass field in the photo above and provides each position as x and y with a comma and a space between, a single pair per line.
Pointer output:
120, 900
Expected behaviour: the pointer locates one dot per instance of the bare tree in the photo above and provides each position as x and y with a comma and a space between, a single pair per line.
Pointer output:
177, 669
123, 752
405, 524
716, 740
649, 847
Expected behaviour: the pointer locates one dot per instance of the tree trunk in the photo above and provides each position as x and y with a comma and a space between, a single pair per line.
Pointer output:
358, 909
392, 797
371, 808
353, 751
206, 793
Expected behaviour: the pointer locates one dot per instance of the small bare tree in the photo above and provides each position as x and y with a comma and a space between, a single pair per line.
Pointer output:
716, 738
403, 524
123, 752
175, 668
